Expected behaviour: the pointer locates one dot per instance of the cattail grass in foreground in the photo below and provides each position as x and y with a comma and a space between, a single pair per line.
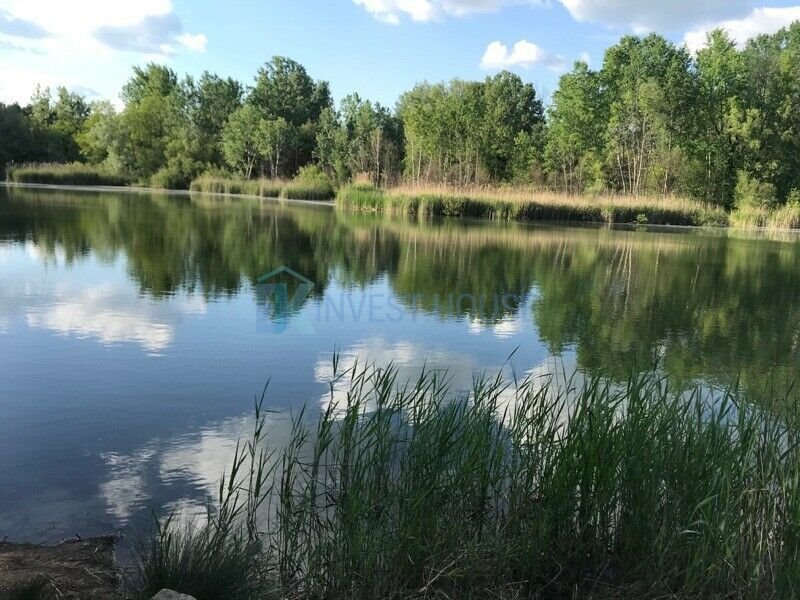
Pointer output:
540, 490
520, 204
64, 174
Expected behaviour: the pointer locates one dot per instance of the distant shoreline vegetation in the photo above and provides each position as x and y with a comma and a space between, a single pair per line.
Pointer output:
519, 204
64, 174
672, 131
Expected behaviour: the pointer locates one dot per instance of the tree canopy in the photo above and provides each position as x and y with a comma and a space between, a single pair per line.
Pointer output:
720, 125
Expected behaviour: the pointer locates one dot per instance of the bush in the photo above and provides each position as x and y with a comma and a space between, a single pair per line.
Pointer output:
750, 192
310, 184
169, 179
214, 183
64, 174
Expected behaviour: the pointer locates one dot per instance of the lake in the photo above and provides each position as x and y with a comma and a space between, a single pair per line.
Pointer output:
136, 329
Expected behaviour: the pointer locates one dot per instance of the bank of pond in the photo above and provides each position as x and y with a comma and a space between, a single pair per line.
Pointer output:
504, 203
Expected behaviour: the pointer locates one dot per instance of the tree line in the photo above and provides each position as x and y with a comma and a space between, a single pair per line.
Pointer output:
720, 125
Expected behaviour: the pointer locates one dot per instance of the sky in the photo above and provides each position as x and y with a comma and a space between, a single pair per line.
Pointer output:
378, 48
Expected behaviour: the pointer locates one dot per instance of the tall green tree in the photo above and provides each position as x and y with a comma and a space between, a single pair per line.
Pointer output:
241, 140
576, 129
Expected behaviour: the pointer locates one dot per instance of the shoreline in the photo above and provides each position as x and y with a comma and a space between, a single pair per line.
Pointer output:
362, 210
149, 190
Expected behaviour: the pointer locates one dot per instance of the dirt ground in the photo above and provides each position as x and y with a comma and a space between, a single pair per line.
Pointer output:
77, 569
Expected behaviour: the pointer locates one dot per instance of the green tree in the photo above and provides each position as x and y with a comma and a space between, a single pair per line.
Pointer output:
151, 80
241, 139
331, 151
576, 128
100, 135
715, 153
511, 107
649, 89
284, 90
275, 138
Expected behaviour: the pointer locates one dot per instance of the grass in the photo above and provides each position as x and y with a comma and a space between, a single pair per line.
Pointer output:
63, 174
510, 203
296, 189
784, 217
536, 490
264, 188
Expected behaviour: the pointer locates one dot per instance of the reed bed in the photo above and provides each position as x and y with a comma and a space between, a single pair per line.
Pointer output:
213, 184
784, 217
297, 189
532, 490
510, 203
64, 174
308, 190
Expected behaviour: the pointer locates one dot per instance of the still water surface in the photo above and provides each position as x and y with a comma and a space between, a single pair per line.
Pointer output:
135, 329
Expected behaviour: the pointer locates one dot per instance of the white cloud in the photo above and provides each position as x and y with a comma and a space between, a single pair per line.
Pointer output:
391, 11
196, 42
89, 43
761, 20
648, 15
524, 54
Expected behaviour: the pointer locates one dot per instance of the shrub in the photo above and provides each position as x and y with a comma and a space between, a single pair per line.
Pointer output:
167, 178
311, 183
750, 192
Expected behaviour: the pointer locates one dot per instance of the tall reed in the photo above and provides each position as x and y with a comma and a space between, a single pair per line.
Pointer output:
64, 174
509, 204
784, 217
264, 188
537, 489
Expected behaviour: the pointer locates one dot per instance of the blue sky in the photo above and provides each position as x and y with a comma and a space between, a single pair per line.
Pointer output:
378, 48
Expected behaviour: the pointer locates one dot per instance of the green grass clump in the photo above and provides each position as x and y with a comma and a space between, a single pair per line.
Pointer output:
310, 184
205, 563
215, 184
566, 490
64, 174
361, 197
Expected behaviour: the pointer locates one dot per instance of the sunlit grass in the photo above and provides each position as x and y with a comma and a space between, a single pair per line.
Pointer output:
537, 489
214, 184
519, 203
784, 217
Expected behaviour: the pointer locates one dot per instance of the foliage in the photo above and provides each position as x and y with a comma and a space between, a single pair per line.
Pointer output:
311, 183
652, 120
751, 193
241, 140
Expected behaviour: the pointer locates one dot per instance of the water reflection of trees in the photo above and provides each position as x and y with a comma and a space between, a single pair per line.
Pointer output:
707, 306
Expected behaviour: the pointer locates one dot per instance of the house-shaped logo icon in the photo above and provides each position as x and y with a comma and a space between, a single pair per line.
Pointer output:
279, 273
281, 294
